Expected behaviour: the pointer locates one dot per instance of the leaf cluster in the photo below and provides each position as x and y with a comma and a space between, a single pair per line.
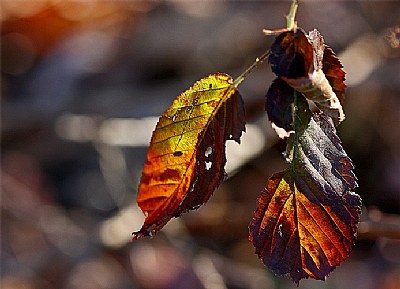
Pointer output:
305, 220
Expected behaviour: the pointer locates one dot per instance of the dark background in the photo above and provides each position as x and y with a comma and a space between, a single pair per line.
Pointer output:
83, 83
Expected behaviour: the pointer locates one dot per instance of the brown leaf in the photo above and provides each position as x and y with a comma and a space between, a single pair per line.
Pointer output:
292, 55
317, 42
333, 69
300, 61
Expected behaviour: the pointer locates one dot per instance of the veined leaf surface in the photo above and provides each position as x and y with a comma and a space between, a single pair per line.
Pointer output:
306, 217
186, 157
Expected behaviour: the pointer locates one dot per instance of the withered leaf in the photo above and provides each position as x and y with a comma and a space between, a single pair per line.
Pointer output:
292, 55
301, 62
186, 157
306, 217
333, 69
278, 104
317, 42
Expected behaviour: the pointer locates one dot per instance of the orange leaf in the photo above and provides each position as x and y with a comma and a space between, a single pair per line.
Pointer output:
186, 158
305, 221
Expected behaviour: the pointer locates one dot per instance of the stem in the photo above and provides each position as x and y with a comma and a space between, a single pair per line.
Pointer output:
291, 23
296, 126
255, 64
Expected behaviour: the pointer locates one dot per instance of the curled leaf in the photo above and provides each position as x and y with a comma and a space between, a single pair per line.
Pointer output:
278, 104
186, 157
317, 42
316, 87
301, 62
291, 55
333, 69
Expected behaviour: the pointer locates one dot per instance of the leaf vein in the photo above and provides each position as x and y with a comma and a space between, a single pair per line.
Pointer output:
315, 221
277, 220
322, 250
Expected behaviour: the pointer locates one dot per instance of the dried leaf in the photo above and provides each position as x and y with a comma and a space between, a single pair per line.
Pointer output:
317, 42
333, 69
278, 104
186, 158
300, 61
305, 221
292, 55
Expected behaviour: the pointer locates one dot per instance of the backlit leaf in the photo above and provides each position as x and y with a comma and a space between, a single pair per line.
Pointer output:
300, 60
333, 69
186, 157
306, 217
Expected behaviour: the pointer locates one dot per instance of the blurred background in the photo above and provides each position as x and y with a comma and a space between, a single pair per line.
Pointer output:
82, 86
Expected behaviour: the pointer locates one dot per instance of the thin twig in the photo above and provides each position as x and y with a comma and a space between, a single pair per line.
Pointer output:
291, 23
256, 63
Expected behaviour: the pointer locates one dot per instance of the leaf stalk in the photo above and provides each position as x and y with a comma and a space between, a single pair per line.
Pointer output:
255, 64
291, 23
295, 109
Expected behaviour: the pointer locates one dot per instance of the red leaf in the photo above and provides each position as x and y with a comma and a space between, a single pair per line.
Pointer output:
305, 221
332, 67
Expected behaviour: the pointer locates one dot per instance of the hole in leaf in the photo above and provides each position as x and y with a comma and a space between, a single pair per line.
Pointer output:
208, 152
208, 165
178, 153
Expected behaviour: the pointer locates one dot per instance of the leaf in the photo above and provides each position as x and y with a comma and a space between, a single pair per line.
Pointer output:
332, 67
186, 157
317, 42
325, 58
291, 55
300, 61
278, 104
306, 217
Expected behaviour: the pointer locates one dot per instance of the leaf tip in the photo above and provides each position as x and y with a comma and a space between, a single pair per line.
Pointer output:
143, 233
